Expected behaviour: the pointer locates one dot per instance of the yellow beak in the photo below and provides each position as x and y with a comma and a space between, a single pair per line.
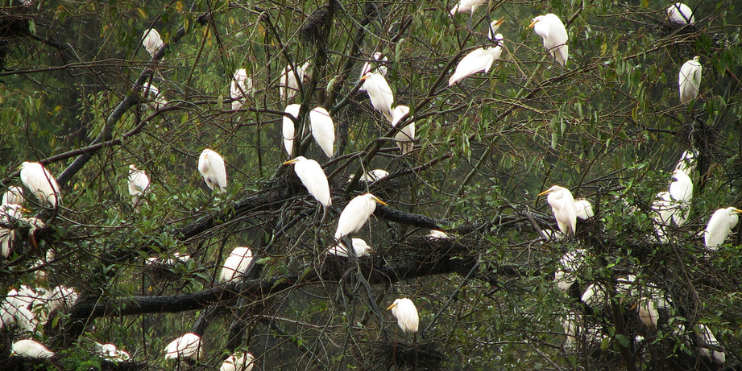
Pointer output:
391, 306
546, 192
532, 23
380, 201
500, 21
738, 211
289, 162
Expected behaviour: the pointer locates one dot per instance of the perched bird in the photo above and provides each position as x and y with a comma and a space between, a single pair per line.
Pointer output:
584, 209
288, 85
380, 68
236, 264
360, 247
437, 235
14, 195
323, 130
238, 362
709, 339
405, 137
40, 182
355, 214
211, 166
239, 88
563, 205
30, 348
552, 30
648, 313
288, 127
479, 60
153, 96
569, 265
111, 353
681, 191
187, 346
466, 6
719, 226
380, 93
8, 213
152, 41
138, 184
406, 313
314, 179
680, 13
371, 176
687, 162
494, 26
689, 80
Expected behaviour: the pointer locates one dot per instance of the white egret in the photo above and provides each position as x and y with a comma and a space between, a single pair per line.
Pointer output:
681, 191
494, 26
239, 88
40, 182
552, 30
355, 214
719, 226
7, 235
211, 166
323, 130
152, 94
360, 247
708, 338
371, 176
111, 353
571, 327
152, 41
689, 80
138, 184
648, 313
30, 348
406, 313
288, 86
14, 195
405, 137
288, 127
584, 209
569, 264
236, 264
238, 362
314, 179
187, 346
563, 205
594, 295
380, 68
479, 60
169, 261
680, 13
687, 162
466, 6
380, 93
437, 235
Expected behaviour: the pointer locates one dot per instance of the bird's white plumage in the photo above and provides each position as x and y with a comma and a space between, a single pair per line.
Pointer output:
138, 184
30, 348
111, 353
554, 34
680, 13
371, 176
153, 96
212, 168
479, 60
721, 223
236, 264
466, 6
584, 209
8, 213
569, 265
239, 88
288, 130
314, 179
437, 235
380, 93
40, 182
494, 26
14, 195
187, 346
689, 80
360, 247
355, 214
406, 136
152, 41
681, 191
323, 130
687, 162
238, 362
380, 68
406, 313
563, 205
288, 85
708, 338
648, 312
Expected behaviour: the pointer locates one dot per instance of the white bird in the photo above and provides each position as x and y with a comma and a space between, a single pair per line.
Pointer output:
681, 191
466, 6
111, 353
30, 348
288, 86
138, 184
355, 214
494, 26
238, 362
709, 339
648, 313
314, 179
405, 137
380, 93
479, 60
236, 264
680, 13
687, 162
288, 127
360, 247
8, 212
689, 80
323, 130
187, 346
569, 265
571, 327
239, 88
552, 30
584, 209
719, 226
14, 195
563, 205
371, 176
367, 68
152, 94
594, 295
406, 313
152, 41
40, 182
437, 235
211, 166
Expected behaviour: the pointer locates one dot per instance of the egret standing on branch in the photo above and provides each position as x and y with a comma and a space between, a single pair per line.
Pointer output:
314, 179
406, 136
211, 166
355, 214
187, 346
138, 184
323, 130
563, 205
236, 264
367, 68
680, 13
288, 86
479, 60
689, 80
380, 93
552, 30
406, 313
40, 182
239, 88
152, 41
288, 127
30, 348
719, 226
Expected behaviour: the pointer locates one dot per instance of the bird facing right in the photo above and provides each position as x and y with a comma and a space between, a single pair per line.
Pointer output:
719, 226
30, 348
355, 214
406, 313
680, 13
187, 346
479, 60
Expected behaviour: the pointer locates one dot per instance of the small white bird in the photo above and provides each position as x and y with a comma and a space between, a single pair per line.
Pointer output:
479, 60
355, 214
569, 265
211, 166
238, 362
152, 41
14, 195
288, 127
406, 136
437, 235
40, 182
152, 94
380, 93
494, 26
111, 353
236, 264
466, 6
381, 68
30, 348
552, 30
371, 176
648, 313
138, 184
406, 313
563, 205
584, 209
719, 226
323, 130
288, 86
689, 80
8, 213
594, 295
187, 346
709, 339
360, 247
680, 13
687, 162
681, 191
239, 88
314, 179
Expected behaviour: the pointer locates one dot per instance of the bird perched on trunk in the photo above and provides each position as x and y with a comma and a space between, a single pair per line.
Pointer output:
355, 214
